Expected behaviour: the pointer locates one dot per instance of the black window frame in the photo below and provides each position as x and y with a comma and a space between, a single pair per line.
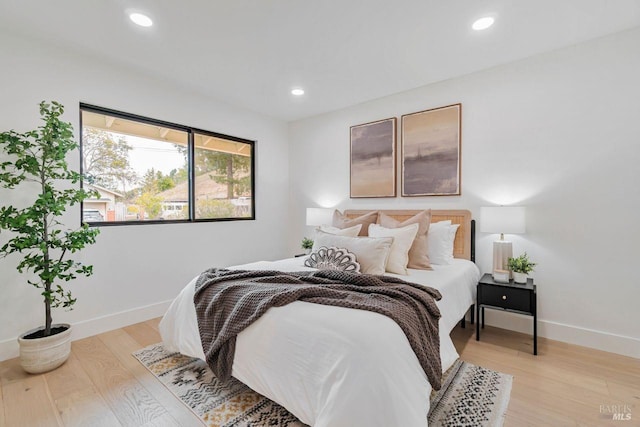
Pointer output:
191, 131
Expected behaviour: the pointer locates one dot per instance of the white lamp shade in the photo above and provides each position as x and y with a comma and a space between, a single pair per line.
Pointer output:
502, 219
319, 216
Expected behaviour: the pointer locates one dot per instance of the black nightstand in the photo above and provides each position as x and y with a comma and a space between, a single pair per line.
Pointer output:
514, 297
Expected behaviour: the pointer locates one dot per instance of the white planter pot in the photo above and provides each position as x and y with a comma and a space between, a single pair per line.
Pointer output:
520, 277
40, 355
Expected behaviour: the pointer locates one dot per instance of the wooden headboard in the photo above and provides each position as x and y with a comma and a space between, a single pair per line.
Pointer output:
464, 243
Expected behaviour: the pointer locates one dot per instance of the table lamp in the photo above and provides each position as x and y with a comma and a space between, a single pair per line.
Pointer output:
319, 216
503, 220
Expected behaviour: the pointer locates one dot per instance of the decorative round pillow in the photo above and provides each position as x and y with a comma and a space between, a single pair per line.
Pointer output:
333, 259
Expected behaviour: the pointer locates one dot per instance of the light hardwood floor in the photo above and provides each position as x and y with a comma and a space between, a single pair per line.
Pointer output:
564, 385
103, 385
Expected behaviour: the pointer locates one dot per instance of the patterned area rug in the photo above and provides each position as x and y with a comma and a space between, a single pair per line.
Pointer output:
470, 395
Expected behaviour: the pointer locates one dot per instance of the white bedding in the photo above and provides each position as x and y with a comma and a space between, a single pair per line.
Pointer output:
334, 366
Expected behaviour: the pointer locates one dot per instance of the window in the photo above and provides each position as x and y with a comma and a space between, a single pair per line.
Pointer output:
149, 171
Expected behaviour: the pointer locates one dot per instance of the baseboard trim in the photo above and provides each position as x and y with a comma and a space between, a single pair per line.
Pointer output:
612, 343
87, 328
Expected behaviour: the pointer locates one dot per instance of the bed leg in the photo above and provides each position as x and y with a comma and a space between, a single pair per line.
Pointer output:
463, 321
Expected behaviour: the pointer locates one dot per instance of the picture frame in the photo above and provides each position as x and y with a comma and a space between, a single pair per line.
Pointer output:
431, 152
373, 159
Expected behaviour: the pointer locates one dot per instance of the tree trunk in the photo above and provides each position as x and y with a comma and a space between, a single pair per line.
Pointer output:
47, 315
47, 284
47, 259
230, 177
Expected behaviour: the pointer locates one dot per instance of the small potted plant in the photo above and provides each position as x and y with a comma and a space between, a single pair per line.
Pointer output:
307, 244
35, 233
521, 266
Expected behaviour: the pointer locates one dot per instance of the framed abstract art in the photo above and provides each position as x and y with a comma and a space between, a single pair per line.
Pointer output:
431, 146
373, 159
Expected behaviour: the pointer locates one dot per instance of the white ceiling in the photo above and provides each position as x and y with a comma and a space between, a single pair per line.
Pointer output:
342, 52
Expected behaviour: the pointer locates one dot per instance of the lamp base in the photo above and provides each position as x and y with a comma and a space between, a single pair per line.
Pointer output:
501, 276
502, 251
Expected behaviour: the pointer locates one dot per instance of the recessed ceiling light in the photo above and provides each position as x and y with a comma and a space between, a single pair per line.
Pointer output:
483, 23
297, 91
140, 19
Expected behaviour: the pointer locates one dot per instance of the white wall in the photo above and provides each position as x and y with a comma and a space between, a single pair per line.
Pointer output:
558, 133
137, 268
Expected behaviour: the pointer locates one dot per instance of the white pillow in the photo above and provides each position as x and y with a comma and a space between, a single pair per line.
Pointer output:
351, 231
402, 241
372, 253
440, 242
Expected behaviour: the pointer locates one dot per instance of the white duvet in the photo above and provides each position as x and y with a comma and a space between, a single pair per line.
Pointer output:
334, 366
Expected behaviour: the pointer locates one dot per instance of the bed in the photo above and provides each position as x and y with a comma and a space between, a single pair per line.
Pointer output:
335, 366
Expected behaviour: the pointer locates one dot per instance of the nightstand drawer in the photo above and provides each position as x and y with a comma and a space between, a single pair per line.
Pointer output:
520, 298
510, 298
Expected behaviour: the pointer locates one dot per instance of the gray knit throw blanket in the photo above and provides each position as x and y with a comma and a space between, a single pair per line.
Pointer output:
228, 301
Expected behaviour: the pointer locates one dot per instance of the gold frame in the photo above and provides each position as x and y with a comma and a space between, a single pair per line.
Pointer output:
392, 170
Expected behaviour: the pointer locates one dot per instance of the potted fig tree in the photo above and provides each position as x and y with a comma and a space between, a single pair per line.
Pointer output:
35, 162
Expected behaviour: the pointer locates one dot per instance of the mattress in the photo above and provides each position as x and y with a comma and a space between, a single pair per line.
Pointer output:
334, 366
